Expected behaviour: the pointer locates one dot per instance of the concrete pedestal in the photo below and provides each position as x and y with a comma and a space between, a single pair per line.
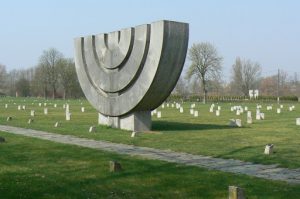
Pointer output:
136, 121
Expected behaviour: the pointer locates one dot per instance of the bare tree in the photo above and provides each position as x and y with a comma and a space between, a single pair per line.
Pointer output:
49, 63
205, 64
245, 76
68, 77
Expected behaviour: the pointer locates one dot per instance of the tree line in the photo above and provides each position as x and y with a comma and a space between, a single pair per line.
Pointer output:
54, 76
204, 76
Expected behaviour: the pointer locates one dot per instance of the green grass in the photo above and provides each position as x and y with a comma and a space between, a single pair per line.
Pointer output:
32, 168
205, 135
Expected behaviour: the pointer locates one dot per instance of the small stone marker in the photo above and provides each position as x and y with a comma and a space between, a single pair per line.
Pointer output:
172, 105
238, 112
219, 108
262, 116
249, 120
246, 108
269, 149
211, 109
258, 114
24, 107
167, 104
158, 114
163, 106
68, 116
9, 118
40, 104
238, 122
249, 114
56, 124
6, 105
46, 111
2, 139
55, 105
30, 121
196, 114
236, 193
19, 107
181, 109
278, 111
32, 113
45, 104
192, 111
82, 109
217, 112
133, 134
114, 166
298, 121
92, 129
281, 106
235, 123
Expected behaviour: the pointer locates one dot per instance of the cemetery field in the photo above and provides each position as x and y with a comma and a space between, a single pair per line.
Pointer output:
206, 135
33, 168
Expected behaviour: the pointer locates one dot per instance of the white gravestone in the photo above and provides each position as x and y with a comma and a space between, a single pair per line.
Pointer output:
133, 134
6, 105
92, 129
262, 116
158, 114
32, 113
192, 111
46, 111
298, 121
278, 110
196, 114
256, 92
249, 120
217, 112
258, 114
56, 124
82, 109
68, 116
269, 149
181, 110
235, 122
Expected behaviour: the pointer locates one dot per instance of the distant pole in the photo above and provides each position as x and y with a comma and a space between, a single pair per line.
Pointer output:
278, 86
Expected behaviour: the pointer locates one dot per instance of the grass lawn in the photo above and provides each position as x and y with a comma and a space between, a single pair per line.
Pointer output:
205, 135
32, 168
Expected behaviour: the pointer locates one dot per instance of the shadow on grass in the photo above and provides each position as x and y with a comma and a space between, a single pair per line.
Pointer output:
180, 126
234, 152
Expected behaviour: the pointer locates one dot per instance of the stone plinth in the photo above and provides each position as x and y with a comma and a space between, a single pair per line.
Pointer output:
137, 121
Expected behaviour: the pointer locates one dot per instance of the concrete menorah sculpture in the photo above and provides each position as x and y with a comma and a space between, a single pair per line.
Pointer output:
125, 74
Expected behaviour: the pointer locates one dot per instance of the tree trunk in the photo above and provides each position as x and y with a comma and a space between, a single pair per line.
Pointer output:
45, 92
53, 92
64, 94
204, 90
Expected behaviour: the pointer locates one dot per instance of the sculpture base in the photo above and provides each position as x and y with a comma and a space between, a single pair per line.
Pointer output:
136, 121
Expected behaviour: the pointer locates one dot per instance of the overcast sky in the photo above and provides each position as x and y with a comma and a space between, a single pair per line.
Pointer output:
265, 31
